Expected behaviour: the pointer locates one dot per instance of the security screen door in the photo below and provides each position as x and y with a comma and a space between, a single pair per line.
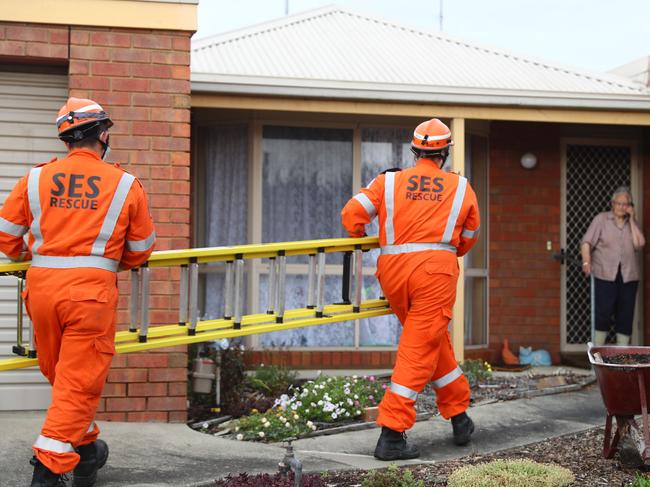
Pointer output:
591, 173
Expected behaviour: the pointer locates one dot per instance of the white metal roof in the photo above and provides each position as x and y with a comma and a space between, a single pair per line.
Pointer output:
334, 52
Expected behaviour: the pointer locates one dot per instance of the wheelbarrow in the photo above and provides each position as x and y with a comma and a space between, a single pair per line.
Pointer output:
626, 393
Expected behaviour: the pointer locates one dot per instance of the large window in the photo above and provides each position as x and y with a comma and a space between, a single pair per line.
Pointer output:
289, 183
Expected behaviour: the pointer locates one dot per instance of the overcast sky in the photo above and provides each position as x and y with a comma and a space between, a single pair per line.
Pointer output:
592, 34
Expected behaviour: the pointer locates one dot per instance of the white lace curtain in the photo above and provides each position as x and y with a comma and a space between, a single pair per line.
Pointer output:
223, 151
307, 179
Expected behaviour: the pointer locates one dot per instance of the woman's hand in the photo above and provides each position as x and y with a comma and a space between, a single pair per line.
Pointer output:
586, 268
630, 211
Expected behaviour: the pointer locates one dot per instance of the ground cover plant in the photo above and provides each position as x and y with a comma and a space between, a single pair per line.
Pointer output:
511, 473
315, 404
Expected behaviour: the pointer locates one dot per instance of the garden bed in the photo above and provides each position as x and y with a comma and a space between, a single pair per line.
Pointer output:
343, 400
581, 453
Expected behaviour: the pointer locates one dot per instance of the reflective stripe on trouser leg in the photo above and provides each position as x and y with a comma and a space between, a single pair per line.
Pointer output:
51, 445
92, 433
447, 378
403, 391
452, 387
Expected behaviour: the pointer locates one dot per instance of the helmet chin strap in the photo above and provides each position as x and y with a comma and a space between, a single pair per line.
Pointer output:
106, 150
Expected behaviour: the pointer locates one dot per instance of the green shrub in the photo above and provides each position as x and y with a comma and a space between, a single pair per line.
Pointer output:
641, 481
271, 380
324, 400
476, 371
393, 476
511, 473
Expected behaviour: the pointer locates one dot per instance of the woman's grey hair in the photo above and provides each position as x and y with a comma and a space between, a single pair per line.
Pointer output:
622, 190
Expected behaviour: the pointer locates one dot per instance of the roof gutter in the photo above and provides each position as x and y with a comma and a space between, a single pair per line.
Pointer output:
434, 94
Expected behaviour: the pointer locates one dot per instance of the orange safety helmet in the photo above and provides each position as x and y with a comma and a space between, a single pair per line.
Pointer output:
80, 118
431, 138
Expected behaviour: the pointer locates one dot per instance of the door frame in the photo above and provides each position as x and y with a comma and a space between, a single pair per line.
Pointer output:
636, 186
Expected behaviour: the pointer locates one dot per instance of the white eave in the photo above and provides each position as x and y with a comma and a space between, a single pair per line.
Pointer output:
290, 58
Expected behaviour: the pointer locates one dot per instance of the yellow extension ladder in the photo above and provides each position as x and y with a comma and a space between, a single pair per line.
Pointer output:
141, 336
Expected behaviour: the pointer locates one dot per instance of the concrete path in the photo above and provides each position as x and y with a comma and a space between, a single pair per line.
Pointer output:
154, 454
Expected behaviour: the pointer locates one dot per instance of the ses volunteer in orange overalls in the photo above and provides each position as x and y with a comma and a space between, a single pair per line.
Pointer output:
427, 219
86, 220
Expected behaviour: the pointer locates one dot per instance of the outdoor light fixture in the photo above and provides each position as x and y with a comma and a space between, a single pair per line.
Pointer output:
528, 160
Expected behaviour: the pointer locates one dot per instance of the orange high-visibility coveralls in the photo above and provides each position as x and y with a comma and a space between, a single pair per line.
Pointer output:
86, 219
427, 217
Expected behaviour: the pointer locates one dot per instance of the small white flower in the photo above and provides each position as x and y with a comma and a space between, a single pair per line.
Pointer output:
236, 428
283, 419
240, 437
204, 425
354, 376
295, 416
313, 427
357, 412
261, 434
310, 424
313, 404
356, 396
294, 406
334, 416
306, 411
347, 415
320, 403
287, 424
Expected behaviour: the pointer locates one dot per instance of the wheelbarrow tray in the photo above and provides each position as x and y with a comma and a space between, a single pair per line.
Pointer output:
625, 389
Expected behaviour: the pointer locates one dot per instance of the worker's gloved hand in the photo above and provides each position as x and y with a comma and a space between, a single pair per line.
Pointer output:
18, 274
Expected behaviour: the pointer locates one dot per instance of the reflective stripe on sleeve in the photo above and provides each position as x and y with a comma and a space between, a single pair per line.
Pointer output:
56, 446
470, 233
141, 245
74, 262
119, 197
389, 198
447, 378
367, 204
403, 391
35, 207
455, 210
12, 228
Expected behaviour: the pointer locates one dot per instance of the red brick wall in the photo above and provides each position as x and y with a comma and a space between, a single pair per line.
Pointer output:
141, 77
328, 359
524, 213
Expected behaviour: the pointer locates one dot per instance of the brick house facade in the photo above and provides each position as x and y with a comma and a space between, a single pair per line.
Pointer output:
141, 77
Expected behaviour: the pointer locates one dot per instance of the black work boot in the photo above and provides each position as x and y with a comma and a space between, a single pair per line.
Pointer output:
463, 428
43, 477
93, 457
392, 445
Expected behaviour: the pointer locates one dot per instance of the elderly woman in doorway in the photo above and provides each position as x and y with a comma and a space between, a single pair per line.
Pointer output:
609, 252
